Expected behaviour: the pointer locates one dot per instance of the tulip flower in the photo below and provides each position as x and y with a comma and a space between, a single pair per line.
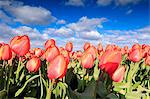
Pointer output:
20, 45
49, 43
147, 60
65, 53
33, 64
86, 45
57, 67
135, 55
51, 53
69, 46
118, 75
136, 46
87, 60
110, 60
38, 52
92, 50
100, 47
5, 52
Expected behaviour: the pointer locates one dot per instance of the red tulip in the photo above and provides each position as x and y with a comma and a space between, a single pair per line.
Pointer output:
20, 45
51, 53
49, 43
5, 52
147, 60
87, 60
65, 53
118, 75
109, 47
110, 58
33, 64
86, 45
100, 47
136, 46
69, 46
92, 50
135, 55
38, 52
57, 67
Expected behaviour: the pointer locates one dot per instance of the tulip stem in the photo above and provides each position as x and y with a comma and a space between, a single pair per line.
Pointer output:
49, 89
18, 69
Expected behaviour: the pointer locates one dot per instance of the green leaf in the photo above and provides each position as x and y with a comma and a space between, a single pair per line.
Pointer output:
133, 95
112, 96
96, 70
29, 80
101, 89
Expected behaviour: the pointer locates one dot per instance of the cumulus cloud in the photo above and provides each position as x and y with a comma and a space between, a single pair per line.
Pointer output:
61, 22
104, 2
26, 15
75, 3
86, 24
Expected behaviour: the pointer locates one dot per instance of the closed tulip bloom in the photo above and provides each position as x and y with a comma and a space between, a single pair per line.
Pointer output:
49, 43
87, 60
33, 64
118, 75
100, 47
20, 45
135, 55
38, 52
92, 50
69, 46
136, 46
147, 60
86, 45
51, 53
110, 59
5, 52
57, 67
65, 53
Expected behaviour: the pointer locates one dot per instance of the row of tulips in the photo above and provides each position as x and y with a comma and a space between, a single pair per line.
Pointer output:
60, 73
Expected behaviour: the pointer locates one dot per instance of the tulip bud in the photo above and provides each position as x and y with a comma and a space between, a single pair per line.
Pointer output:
33, 64
57, 67
51, 53
20, 45
147, 60
86, 46
110, 58
92, 50
69, 46
135, 55
5, 52
49, 43
87, 60
100, 47
38, 52
118, 75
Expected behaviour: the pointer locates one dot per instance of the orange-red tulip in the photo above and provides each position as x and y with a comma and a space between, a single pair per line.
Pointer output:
92, 50
147, 60
136, 46
118, 75
86, 45
51, 53
5, 52
20, 45
69, 46
87, 60
135, 55
33, 64
110, 59
100, 47
57, 67
38, 52
49, 43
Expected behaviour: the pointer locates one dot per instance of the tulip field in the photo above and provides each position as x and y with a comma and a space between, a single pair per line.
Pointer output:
93, 72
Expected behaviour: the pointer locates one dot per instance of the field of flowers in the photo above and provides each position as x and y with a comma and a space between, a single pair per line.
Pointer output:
60, 73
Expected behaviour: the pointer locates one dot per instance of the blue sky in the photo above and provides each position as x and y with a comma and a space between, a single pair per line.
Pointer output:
121, 22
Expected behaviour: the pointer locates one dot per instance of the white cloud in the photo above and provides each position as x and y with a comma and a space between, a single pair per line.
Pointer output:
31, 15
104, 2
75, 3
4, 18
61, 32
129, 11
126, 2
61, 22
86, 24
